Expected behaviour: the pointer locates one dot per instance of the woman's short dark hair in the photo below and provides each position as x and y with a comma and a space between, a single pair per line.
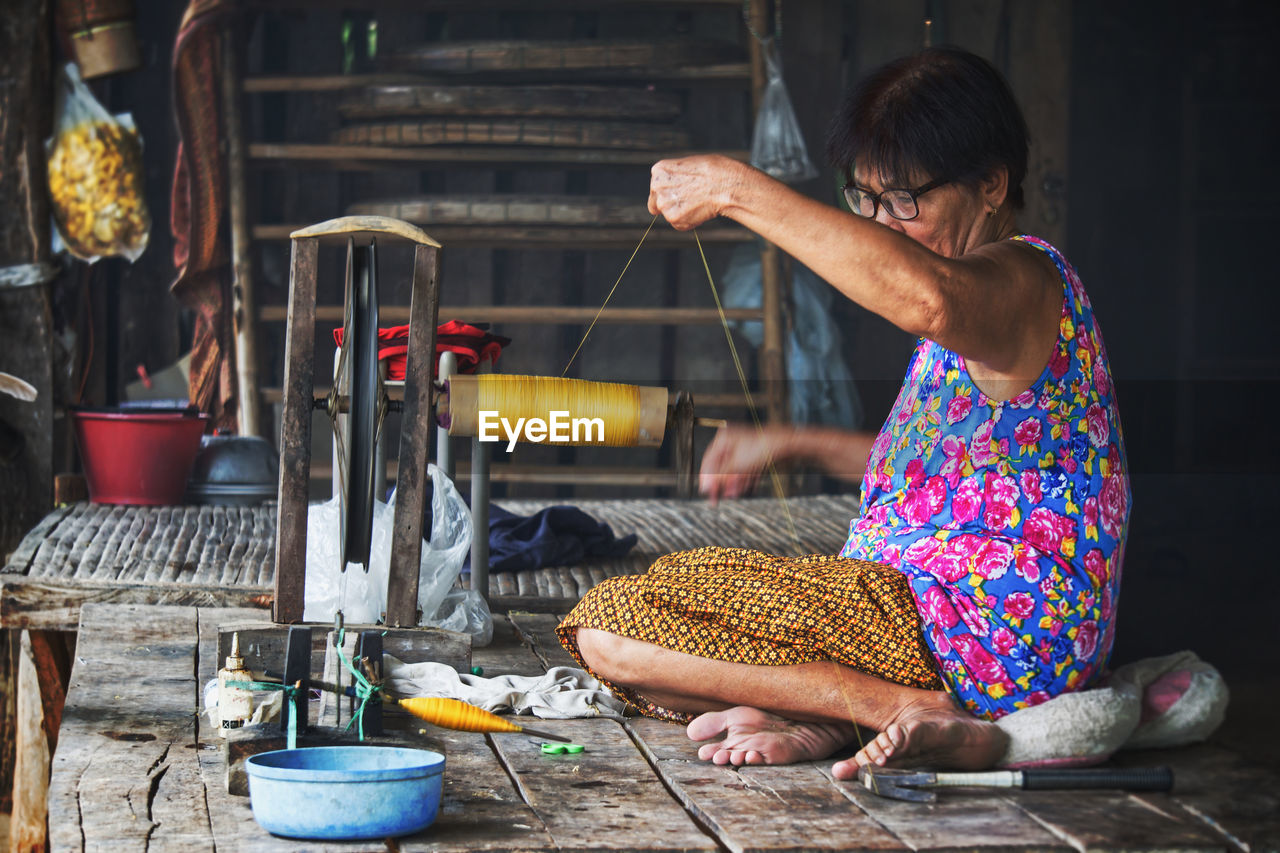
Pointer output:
942, 113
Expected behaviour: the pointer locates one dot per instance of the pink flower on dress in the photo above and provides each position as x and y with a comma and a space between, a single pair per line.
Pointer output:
1030, 480
891, 554
980, 446
1046, 529
1101, 380
1107, 606
1086, 640
958, 409
1113, 502
1046, 586
993, 559
1091, 511
1026, 564
940, 641
1003, 640
1019, 605
949, 566
1096, 565
925, 502
967, 500
915, 472
938, 608
1025, 400
974, 619
1037, 697
1028, 433
980, 662
1099, 427
1001, 497
957, 453
1058, 363
921, 551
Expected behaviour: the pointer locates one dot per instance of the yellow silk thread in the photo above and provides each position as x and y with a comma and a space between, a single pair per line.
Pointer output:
615, 404
609, 295
774, 479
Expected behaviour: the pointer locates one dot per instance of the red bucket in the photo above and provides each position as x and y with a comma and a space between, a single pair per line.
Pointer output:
138, 457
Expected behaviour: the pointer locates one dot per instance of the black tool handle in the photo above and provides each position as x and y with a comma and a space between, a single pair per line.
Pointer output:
1123, 779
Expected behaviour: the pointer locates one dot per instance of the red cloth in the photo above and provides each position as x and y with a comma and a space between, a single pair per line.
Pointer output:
199, 201
471, 344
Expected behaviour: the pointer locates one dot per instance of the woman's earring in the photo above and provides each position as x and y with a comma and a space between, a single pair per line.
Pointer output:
991, 211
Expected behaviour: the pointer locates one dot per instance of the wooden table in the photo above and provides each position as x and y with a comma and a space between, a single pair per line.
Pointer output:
137, 768
205, 556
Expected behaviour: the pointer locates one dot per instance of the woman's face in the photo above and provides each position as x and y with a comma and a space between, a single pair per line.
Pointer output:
952, 221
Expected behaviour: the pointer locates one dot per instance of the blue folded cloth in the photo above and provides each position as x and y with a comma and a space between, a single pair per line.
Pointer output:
555, 536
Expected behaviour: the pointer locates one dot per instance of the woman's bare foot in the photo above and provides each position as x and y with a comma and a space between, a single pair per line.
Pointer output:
752, 736
933, 734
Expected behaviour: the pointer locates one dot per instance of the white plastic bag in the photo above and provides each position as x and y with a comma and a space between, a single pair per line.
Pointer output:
777, 146
362, 596
443, 556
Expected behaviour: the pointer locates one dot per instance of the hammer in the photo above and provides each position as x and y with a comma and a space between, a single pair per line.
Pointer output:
912, 785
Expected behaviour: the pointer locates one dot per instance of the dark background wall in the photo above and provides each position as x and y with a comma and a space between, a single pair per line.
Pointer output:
1172, 207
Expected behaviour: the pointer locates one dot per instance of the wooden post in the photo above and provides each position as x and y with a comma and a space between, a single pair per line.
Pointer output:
295, 433
244, 305
26, 479
27, 827
413, 488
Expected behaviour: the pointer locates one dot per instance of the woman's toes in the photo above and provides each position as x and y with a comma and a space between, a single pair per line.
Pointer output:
845, 770
708, 750
872, 753
708, 725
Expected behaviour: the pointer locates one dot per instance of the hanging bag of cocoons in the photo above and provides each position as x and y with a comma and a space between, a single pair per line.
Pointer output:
777, 146
95, 177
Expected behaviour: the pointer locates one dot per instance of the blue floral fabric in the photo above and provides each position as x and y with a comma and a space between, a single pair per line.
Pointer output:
1008, 517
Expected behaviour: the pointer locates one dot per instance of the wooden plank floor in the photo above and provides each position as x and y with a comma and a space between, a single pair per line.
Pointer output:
138, 769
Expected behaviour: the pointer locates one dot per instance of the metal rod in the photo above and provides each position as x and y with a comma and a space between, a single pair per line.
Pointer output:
444, 450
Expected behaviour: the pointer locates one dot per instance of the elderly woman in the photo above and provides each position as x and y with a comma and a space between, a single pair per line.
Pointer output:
982, 574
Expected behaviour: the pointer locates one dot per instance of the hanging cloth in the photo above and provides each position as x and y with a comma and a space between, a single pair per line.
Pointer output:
198, 203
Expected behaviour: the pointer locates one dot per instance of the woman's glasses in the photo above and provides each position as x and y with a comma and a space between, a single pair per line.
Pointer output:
900, 203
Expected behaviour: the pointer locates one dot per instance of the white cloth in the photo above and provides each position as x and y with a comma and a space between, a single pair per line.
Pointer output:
562, 693
1157, 702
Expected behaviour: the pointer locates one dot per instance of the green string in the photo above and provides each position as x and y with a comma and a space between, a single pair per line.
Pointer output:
289, 691
364, 689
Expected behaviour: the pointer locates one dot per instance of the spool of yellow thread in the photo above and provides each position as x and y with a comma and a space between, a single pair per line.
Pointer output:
592, 413
463, 716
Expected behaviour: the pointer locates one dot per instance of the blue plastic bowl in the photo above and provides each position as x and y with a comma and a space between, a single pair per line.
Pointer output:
345, 792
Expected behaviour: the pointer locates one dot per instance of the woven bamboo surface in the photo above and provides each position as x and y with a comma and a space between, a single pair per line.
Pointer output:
235, 546
821, 526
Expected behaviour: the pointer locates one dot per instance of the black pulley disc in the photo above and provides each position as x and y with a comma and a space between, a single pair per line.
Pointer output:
362, 419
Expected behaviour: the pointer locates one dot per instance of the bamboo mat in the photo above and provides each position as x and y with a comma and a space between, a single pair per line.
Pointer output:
235, 546
662, 526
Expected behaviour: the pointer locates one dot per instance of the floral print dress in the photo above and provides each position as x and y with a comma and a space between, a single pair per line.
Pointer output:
1008, 518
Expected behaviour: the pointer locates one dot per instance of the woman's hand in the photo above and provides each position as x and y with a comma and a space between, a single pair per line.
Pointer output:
691, 190
737, 456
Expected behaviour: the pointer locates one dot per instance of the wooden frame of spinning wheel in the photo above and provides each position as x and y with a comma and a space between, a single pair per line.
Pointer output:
299, 400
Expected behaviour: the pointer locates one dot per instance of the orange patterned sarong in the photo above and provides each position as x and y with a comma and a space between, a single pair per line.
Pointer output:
744, 606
